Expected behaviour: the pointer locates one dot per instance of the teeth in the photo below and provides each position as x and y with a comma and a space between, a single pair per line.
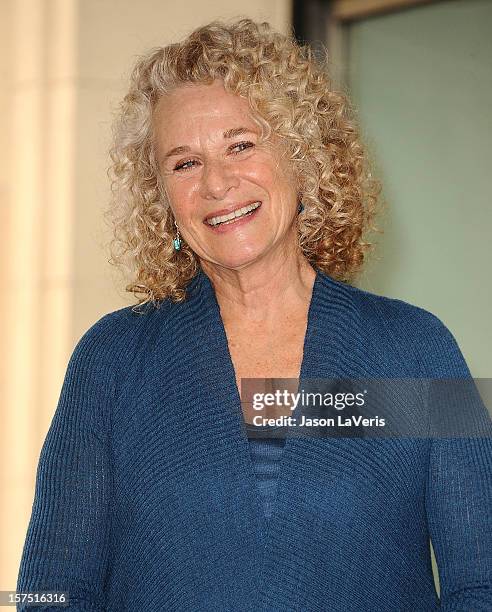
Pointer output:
233, 215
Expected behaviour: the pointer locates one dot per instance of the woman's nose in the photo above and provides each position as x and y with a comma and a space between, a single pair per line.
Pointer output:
217, 178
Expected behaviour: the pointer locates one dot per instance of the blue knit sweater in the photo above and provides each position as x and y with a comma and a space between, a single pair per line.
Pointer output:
266, 453
146, 498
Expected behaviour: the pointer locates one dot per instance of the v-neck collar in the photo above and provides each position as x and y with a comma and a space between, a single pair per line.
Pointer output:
332, 321
230, 380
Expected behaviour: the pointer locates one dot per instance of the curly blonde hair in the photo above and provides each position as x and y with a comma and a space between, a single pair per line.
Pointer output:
289, 93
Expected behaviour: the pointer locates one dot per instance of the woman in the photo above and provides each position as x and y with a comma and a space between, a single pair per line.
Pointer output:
242, 197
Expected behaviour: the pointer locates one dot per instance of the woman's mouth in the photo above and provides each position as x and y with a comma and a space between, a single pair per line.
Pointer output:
234, 219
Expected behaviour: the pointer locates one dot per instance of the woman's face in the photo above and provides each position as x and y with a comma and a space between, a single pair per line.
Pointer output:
212, 164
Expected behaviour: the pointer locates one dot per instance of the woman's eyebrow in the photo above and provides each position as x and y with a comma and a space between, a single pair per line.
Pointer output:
232, 133
228, 134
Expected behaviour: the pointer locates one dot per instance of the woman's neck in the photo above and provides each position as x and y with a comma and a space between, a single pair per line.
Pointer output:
261, 292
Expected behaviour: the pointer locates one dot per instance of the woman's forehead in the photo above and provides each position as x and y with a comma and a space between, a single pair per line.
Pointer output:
199, 97
202, 108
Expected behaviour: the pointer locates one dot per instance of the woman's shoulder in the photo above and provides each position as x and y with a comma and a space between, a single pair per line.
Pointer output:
382, 309
395, 310
118, 336
410, 328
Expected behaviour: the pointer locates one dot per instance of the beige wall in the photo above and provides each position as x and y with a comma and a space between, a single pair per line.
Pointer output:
63, 67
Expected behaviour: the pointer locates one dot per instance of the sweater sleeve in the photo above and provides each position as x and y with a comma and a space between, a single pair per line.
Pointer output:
67, 542
459, 485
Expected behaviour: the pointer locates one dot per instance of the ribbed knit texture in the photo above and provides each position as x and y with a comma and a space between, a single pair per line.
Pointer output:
265, 454
146, 496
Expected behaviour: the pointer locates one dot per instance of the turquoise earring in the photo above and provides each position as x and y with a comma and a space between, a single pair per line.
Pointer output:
177, 240
301, 207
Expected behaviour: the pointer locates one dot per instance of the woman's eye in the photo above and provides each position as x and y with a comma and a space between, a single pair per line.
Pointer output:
185, 165
191, 163
242, 146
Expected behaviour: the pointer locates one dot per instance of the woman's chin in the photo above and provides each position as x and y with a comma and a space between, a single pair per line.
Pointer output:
236, 260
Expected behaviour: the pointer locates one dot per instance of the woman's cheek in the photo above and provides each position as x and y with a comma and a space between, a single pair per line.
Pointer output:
181, 193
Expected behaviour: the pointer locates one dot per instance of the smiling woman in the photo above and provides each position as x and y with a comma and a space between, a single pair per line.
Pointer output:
241, 200
231, 192
232, 116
